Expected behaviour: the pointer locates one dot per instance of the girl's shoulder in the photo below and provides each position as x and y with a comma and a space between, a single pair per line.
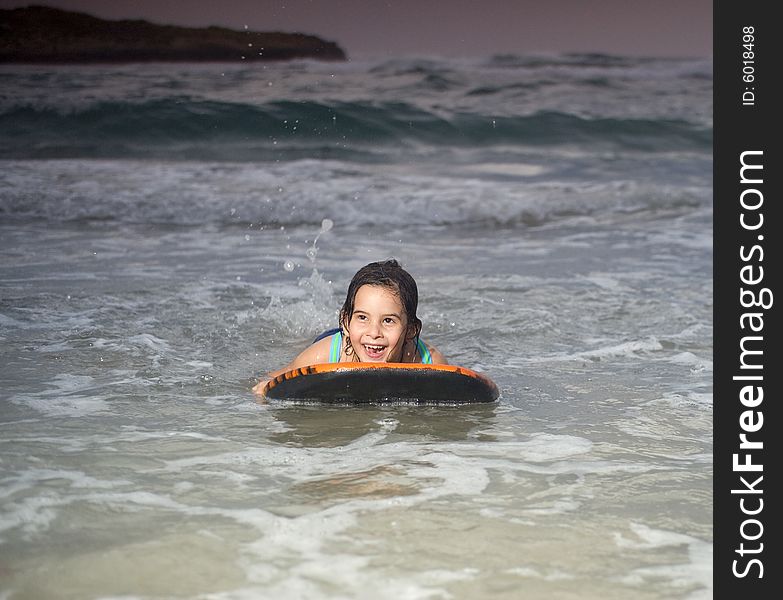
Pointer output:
319, 351
436, 355
316, 353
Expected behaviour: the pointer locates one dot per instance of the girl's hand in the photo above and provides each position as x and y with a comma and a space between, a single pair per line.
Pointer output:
259, 387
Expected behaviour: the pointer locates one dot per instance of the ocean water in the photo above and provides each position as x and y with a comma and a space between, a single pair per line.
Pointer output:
169, 232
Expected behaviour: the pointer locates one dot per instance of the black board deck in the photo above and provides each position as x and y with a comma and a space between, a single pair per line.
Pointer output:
350, 383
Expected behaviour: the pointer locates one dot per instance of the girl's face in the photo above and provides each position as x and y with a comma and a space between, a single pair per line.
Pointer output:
378, 325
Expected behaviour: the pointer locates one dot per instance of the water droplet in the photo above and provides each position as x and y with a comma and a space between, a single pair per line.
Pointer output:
311, 252
326, 224
288, 265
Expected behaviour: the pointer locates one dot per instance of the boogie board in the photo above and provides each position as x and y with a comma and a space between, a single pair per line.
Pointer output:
351, 383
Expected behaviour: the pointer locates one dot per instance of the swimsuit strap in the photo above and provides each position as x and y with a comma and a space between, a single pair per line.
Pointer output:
334, 350
426, 357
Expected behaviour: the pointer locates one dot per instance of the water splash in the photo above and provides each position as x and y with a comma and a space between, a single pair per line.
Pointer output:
317, 310
312, 251
320, 290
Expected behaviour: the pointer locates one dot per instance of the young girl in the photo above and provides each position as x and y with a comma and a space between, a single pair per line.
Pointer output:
378, 323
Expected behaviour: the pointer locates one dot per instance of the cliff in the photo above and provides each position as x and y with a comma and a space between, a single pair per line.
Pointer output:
39, 34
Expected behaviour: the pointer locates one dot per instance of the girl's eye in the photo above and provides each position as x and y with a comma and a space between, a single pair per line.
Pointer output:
389, 321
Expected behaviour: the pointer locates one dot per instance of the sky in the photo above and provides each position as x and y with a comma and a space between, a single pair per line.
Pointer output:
371, 28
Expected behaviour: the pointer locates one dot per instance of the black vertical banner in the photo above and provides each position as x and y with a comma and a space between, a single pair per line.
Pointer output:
748, 55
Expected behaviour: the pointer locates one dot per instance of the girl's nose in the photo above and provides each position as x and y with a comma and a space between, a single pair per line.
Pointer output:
375, 329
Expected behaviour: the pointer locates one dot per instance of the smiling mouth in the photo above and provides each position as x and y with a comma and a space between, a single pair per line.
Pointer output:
374, 351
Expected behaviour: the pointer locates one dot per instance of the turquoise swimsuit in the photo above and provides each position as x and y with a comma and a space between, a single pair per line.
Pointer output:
337, 344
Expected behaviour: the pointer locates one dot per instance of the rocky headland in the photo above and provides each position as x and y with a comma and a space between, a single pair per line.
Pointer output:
40, 34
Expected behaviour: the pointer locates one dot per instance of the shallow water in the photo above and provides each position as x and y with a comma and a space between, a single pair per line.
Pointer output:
141, 297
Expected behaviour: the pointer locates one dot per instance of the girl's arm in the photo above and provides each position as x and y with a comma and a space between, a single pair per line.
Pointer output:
312, 355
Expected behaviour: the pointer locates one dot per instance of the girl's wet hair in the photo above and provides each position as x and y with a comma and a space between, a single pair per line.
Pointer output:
388, 274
